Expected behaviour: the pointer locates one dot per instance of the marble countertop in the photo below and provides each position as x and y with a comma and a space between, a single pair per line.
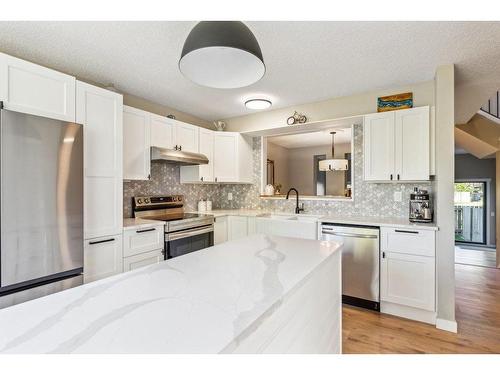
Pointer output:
201, 302
397, 222
138, 223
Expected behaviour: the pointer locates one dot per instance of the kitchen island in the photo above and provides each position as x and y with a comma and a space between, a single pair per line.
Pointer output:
259, 294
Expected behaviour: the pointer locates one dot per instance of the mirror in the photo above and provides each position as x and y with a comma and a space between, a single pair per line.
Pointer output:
293, 160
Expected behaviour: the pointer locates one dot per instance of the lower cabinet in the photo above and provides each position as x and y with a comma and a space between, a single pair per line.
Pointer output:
408, 272
103, 257
237, 227
142, 247
408, 280
220, 230
140, 260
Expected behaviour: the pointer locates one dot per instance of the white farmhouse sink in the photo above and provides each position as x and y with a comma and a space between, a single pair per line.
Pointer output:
297, 226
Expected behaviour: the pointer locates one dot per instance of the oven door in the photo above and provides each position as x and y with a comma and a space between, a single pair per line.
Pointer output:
189, 240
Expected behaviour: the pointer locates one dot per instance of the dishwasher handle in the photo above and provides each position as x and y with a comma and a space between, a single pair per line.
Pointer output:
341, 234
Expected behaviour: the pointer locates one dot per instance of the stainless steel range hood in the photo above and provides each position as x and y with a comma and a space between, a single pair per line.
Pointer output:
177, 157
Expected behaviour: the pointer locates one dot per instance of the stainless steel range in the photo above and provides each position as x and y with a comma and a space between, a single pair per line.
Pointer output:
184, 232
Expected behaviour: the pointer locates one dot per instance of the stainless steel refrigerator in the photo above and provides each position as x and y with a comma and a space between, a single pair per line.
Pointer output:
41, 204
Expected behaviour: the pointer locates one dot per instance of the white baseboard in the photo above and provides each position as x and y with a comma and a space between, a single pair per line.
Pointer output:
447, 325
408, 312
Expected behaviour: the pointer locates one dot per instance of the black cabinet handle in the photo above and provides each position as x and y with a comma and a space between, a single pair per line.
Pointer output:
145, 230
398, 176
215, 179
406, 231
180, 148
101, 241
202, 179
383, 254
391, 176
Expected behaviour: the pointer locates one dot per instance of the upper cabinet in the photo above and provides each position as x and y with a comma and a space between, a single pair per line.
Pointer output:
136, 144
100, 111
397, 145
29, 88
162, 131
230, 159
186, 136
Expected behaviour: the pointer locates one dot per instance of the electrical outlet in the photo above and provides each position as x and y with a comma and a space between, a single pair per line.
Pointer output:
398, 196
229, 196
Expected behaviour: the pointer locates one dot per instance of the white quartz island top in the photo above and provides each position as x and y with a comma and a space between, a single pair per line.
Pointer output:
202, 302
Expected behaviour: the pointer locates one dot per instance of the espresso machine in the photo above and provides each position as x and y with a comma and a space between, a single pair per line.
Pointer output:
420, 206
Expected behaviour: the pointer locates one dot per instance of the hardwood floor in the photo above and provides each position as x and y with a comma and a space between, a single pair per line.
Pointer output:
477, 314
475, 257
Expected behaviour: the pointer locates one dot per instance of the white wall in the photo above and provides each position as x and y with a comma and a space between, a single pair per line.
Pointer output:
445, 177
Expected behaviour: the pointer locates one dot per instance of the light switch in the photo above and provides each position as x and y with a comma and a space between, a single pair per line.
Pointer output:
398, 196
229, 196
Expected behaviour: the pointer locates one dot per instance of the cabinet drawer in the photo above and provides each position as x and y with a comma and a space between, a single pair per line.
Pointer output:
141, 260
103, 257
408, 241
143, 240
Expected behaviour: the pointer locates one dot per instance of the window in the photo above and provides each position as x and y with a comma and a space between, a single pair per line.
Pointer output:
470, 212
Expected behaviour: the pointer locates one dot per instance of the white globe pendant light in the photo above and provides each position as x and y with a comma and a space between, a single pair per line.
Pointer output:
222, 54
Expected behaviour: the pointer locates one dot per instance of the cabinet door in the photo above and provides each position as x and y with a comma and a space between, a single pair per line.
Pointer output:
378, 154
141, 260
162, 132
30, 88
100, 111
408, 280
186, 136
238, 227
220, 230
103, 257
225, 157
412, 144
207, 149
136, 144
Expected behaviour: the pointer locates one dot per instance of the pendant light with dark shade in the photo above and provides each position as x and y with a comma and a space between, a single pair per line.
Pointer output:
333, 164
222, 54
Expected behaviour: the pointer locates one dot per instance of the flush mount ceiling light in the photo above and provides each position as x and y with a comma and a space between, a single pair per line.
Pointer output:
222, 54
258, 104
333, 164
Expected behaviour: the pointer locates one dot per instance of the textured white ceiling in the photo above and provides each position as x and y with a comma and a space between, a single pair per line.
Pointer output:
322, 138
306, 61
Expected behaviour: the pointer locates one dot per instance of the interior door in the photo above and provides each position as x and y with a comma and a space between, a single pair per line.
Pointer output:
379, 147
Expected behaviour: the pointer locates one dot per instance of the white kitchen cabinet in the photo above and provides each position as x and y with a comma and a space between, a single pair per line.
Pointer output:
252, 226
237, 227
103, 257
186, 136
100, 111
201, 173
142, 240
408, 280
412, 144
407, 270
136, 144
378, 135
397, 145
30, 88
162, 131
233, 160
220, 230
141, 260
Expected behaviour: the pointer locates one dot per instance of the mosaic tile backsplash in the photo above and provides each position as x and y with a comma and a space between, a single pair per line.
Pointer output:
370, 199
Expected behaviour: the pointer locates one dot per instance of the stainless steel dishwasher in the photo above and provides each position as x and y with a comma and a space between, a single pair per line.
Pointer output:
360, 263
